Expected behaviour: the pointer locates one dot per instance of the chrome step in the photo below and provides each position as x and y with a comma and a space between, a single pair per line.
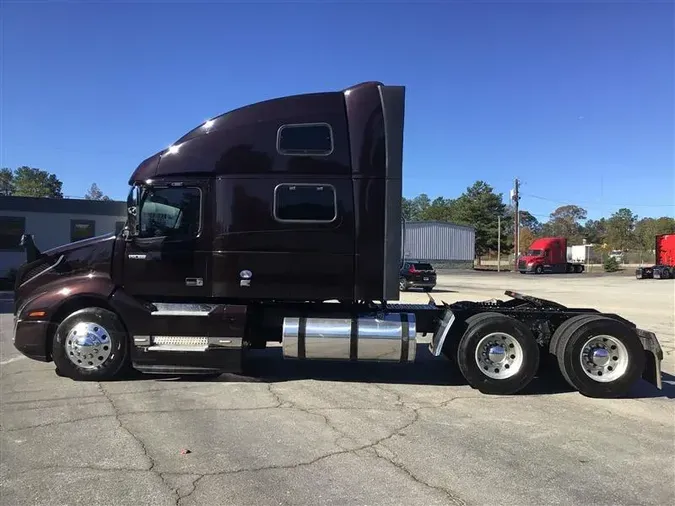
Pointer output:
186, 343
182, 309
179, 313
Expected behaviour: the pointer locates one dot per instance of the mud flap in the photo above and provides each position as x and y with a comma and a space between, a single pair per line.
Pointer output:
653, 356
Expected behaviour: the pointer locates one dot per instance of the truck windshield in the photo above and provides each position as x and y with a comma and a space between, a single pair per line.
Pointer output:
534, 252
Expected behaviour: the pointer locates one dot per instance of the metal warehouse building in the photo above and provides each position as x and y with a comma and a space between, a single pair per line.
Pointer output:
438, 241
53, 222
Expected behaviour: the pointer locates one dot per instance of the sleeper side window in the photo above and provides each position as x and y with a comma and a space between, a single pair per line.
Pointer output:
312, 203
309, 139
170, 212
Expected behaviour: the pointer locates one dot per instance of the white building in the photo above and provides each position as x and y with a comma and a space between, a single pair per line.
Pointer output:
52, 222
438, 241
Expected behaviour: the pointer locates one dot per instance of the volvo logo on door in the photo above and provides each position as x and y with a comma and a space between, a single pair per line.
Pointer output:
245, 276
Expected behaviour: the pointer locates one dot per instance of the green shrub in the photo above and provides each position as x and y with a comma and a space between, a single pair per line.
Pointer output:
611, 264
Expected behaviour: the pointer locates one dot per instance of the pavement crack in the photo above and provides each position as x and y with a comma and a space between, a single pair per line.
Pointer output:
61, 422
275, 395
454, 500
139, 441
51, 399
192, 490
117, 415
281, 403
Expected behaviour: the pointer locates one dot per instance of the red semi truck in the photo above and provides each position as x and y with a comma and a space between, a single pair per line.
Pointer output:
548, 254
664, 266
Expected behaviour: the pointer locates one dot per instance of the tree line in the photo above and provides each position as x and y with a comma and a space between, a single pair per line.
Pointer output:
479, 206
32, 182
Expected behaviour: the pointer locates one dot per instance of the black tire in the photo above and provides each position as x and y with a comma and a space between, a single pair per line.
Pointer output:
451, 345
539, 269
554, 345
575, 337
482, 325
116, 340
665, 273
570, 268
578, 269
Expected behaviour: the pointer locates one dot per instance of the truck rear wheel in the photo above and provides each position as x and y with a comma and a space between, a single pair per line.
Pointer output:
600, 356
90, 344
497, 354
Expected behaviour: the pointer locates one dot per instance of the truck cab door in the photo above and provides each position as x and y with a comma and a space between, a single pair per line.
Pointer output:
169, 255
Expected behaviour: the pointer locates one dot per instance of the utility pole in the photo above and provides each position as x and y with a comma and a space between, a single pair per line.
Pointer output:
516, 224
499, 243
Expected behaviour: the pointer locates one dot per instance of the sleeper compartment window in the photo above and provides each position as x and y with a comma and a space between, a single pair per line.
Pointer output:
306, 139
303, 202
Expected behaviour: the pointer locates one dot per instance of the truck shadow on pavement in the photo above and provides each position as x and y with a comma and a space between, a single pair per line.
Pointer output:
270, 367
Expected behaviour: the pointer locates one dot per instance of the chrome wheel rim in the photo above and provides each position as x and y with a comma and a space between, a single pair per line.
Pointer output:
499, 355
604, 358
88, 345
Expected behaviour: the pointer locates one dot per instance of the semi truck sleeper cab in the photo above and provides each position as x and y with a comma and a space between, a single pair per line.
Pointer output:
281, 222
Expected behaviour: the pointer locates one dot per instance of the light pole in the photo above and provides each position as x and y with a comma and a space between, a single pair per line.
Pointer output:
499, 243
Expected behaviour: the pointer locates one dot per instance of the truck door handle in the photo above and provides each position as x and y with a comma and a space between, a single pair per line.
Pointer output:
194, 281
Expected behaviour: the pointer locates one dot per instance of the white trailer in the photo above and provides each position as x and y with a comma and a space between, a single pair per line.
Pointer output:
580, 253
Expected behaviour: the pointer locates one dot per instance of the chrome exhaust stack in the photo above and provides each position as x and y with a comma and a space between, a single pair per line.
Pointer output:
385, 338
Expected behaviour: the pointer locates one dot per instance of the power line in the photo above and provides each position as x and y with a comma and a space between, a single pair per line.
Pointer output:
596, 203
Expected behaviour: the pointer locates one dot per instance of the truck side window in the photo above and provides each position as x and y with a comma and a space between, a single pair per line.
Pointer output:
305, 203
310, 139
170, 212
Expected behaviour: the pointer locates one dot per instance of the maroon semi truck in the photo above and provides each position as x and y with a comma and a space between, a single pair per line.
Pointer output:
548, 254
664, 265
280, 222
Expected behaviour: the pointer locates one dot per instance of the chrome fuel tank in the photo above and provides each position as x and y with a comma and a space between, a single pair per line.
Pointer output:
389, 338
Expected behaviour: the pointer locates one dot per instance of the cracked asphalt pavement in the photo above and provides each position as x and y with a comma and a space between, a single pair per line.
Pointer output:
344, 434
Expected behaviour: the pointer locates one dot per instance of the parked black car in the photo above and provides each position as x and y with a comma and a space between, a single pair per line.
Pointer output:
417, 275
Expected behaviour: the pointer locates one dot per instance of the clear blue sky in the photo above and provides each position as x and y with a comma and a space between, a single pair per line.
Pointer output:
575, 100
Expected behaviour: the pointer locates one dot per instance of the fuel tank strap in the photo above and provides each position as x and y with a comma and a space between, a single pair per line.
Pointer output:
354, 339
405, 340
302, 332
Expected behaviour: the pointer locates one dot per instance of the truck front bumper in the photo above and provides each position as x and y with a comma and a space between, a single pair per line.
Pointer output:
30, 338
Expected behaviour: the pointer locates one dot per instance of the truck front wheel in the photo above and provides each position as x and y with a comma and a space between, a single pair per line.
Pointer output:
600, 356
539, 269
90, 344
497, 354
